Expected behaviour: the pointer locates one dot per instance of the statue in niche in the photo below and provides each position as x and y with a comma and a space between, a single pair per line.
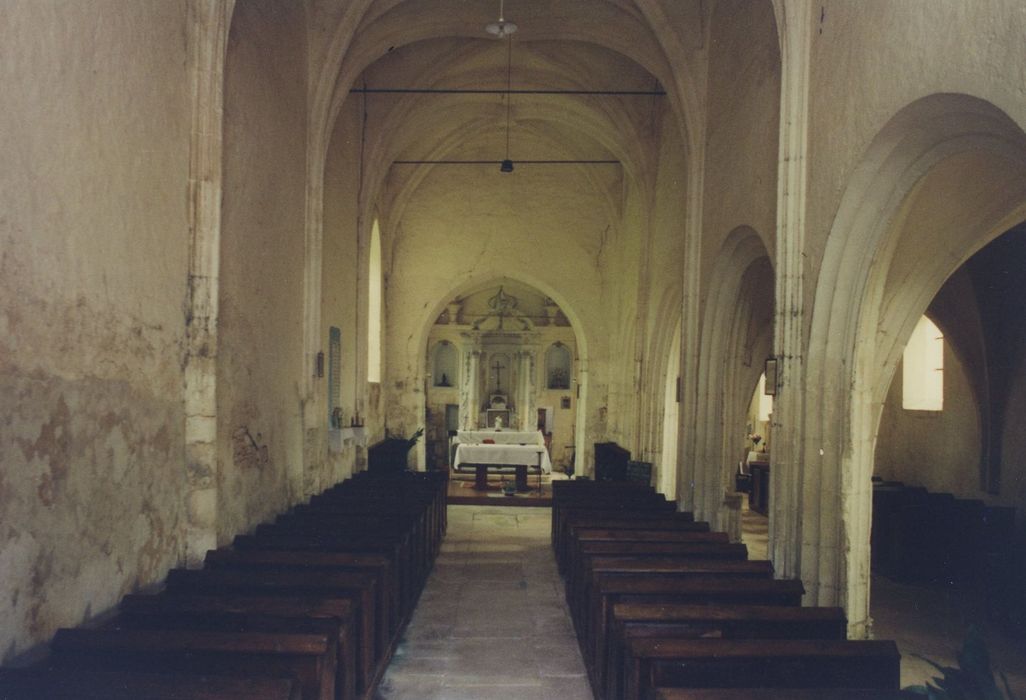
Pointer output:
445, 380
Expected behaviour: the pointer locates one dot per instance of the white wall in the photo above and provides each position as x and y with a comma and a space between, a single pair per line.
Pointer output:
260, 363
94, 138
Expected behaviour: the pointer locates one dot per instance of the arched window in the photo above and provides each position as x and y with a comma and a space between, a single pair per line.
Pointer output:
765, 401
443, 364
558, 365
922, 380
374, 306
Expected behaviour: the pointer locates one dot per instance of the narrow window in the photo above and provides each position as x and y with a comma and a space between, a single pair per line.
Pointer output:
765, 401
374, 307
923, 369
334, 377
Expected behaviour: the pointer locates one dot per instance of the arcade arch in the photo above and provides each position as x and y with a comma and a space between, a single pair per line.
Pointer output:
946, 174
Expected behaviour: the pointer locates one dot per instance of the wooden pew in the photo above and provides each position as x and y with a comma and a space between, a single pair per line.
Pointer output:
171, 611
779, 663
687, 533
621, 522
379, 565
358, 586
408, 531
587, 606
310, 658
366, 543
700, 589
55, 683
647, 620
776, 694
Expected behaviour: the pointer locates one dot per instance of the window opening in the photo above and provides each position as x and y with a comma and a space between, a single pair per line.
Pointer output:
922, 386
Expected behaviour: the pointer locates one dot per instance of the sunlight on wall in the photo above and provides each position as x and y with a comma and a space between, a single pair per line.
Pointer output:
374, 307
765, 402
922, 381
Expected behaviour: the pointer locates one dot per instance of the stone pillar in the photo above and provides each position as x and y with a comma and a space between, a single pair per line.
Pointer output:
526, 408
208, 35
794, 20
469, 388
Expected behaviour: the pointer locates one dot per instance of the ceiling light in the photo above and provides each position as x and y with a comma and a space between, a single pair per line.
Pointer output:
502, 28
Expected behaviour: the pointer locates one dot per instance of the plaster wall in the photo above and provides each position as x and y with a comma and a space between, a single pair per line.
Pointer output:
870, 59
625, 276
343, 288
94, 137
541, 226
742, 132
939, 450
260, 361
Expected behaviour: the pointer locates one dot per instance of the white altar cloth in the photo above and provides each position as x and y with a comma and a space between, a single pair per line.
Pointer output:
503, 454
500, 437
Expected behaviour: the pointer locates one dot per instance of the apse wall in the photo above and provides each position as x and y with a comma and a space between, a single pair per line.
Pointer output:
94, 137
260, 363
543, 226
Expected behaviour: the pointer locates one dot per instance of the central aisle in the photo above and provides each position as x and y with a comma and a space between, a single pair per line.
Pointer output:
492, 621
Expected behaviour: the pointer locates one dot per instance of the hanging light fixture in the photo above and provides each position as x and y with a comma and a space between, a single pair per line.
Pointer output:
507, 164
502, 28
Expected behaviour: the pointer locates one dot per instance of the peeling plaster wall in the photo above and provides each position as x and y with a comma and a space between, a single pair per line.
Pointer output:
936, 449
262, 251
344, 286
93, 277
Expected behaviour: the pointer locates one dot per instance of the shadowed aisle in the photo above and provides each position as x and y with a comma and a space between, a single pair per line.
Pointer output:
492, 621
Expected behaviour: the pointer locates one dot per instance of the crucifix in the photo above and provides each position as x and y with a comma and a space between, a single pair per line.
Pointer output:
498, 367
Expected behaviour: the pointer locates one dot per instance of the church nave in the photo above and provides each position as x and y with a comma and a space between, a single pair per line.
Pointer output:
492, 621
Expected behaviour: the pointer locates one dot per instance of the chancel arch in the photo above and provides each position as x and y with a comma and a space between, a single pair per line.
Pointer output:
511, 340
946, 174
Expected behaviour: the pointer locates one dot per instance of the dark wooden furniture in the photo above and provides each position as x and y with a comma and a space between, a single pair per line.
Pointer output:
55, 683
611, 462
310, 657
780, 663
758, 496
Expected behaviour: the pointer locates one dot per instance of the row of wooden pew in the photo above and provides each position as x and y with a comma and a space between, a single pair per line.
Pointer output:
307, 608
919, 535
665, 608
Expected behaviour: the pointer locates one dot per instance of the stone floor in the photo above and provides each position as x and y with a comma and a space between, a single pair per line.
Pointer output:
492, 621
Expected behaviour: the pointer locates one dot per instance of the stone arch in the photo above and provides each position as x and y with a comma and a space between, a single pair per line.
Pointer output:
736, 337
431, 312
868, 298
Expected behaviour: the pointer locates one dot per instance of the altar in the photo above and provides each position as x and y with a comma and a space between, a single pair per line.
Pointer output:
501, 450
